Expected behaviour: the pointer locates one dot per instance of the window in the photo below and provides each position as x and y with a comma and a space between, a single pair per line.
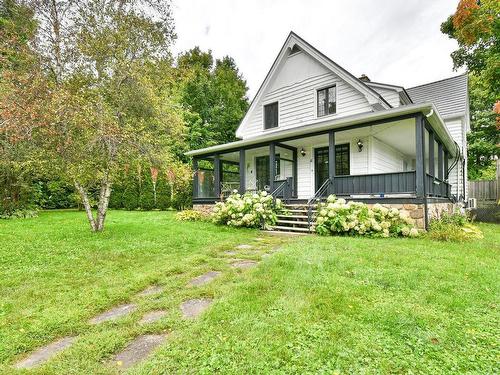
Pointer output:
327, 101
342, 160
271, 115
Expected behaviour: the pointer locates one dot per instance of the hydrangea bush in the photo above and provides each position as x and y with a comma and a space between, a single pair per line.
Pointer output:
337, 216
250, 210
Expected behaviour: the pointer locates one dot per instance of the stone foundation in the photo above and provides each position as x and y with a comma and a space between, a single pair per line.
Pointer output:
204, 208
415, 211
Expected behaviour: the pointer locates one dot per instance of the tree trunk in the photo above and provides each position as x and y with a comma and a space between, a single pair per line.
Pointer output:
86, 205
103, 204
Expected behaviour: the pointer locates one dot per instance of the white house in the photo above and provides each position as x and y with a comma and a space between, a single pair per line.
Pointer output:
315, 129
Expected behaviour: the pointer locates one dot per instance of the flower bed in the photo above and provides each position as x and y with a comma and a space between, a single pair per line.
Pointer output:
250, 210
337, 216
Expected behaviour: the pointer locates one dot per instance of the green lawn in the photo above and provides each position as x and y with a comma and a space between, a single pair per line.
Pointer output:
318, 305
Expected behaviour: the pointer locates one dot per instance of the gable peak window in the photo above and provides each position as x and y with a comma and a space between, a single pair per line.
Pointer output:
271, 115
327, 101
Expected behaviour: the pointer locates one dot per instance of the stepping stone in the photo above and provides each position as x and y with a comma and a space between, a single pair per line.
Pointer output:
244, 264
151, 290
152, 316
259, 239
194, 307
44, 354
230, 253
204, 279
244, 247
114, 313
137, 350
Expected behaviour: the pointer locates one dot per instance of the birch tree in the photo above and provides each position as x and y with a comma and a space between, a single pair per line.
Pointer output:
99, 103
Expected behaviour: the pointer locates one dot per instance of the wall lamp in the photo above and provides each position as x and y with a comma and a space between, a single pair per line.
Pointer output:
360, 145
302, 151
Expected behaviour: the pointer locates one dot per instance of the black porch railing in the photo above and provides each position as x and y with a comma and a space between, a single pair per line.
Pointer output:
436, 187
284, 189
376, 184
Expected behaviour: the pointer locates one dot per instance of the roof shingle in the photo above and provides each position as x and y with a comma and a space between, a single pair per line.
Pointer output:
448, 95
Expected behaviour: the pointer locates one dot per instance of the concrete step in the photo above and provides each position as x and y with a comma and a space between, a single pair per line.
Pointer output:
293, 216
292, 222
290, 229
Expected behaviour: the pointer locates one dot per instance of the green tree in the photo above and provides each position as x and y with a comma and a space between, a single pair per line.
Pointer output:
214, 94
99, 103
476, 27
17, 32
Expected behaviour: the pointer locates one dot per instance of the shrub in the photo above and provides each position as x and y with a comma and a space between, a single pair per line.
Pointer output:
20, 213
337, 216
250, 210
453, 228
191, 215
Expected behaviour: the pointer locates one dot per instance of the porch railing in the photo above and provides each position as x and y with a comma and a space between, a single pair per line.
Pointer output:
436, 187
376, 184
284, 189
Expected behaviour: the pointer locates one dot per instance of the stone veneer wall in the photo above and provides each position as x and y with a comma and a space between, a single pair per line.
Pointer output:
416, 211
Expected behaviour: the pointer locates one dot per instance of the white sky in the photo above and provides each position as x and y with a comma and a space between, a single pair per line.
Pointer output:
391, 41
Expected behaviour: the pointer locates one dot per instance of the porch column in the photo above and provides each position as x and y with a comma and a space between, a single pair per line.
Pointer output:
242, 171
272, 165
331, 161
440, 162
217, 175
432, 172
195, 177
294, 172
419, 155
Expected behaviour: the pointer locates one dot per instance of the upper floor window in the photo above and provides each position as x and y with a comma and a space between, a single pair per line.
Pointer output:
327, 101
271, 115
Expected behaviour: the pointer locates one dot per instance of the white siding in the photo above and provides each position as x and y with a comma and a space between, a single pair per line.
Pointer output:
391, 96
456, 128
384, 158
295, 88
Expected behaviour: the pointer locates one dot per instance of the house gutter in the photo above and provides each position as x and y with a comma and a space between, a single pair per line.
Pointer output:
320, 126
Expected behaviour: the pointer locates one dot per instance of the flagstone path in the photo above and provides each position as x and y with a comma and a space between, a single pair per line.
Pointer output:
137, 350
114, 313
205, 278
45, 353
141, 347
194, 307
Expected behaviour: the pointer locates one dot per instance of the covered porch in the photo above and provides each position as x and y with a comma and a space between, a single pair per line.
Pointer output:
399, 157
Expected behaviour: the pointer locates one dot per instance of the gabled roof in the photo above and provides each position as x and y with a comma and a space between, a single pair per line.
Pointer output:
450, 95
403, 94
373, 97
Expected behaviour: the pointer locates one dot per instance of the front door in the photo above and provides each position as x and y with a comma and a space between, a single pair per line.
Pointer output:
320, 166
262, 171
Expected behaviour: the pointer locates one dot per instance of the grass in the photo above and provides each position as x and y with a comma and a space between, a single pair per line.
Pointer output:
319, 305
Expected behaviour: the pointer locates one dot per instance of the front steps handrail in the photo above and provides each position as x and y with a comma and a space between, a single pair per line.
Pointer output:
316, 197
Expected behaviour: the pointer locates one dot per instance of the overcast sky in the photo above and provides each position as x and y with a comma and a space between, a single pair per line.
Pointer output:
391, 41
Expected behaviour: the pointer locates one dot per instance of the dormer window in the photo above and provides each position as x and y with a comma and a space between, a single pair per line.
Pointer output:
327, 101
271, 115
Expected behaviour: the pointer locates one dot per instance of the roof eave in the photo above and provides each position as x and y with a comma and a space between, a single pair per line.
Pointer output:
427, 109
